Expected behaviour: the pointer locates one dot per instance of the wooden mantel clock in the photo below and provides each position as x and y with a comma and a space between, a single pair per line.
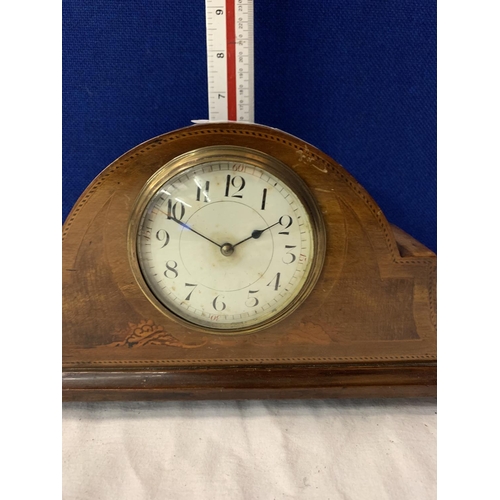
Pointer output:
231, 260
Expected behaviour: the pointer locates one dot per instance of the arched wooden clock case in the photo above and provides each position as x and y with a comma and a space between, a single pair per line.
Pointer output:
367, 328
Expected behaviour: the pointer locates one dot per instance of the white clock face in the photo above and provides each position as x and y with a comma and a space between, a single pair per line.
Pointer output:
225, 245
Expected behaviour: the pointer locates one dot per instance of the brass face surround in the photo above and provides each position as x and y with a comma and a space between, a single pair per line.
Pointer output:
258, 160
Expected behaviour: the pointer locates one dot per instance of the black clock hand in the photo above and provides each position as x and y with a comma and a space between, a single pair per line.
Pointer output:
183, 224
256, 234
194, 231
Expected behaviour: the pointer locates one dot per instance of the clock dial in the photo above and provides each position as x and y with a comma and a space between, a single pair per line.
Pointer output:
225, 242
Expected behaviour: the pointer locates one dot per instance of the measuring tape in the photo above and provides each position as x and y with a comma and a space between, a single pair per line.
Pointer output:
230, 60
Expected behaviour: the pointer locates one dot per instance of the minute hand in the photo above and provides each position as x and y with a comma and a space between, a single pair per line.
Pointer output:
196, 232
256, 234
171, 217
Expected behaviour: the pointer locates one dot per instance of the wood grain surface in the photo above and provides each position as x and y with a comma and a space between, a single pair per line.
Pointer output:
368, 328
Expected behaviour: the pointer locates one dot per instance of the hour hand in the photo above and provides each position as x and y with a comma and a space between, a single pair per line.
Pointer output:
256, 234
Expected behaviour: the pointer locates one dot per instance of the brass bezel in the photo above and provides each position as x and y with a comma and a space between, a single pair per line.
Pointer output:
256, 159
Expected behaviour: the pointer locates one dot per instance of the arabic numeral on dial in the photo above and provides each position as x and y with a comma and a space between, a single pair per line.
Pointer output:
275, 282
237, 182
264, 196
204, 192
252, 301
162, 235
171, 272
286, 222
191, 292
291, 257
173, 210
218, 305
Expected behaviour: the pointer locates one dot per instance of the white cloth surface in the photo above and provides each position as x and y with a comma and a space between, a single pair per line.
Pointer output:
319, 449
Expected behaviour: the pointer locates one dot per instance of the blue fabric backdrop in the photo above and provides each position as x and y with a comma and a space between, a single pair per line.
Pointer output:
355, 78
